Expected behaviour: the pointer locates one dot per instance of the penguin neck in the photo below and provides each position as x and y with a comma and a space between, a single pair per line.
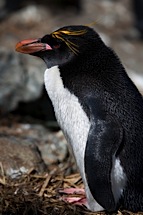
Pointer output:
87, 71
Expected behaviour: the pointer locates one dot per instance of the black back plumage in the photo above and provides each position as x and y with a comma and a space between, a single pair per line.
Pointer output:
101, 75
97, 72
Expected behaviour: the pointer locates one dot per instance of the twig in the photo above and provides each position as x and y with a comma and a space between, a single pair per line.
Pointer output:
44, 185
2, 180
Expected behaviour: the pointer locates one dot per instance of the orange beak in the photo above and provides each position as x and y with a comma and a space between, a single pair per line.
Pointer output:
31, 46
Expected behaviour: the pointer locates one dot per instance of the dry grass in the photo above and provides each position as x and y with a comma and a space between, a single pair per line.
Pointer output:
34, 194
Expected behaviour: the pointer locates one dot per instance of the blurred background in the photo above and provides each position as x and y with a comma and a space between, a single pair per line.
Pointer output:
23, 99
119, 22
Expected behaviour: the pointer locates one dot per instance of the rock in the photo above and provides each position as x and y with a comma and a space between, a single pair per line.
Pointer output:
54, 149
19, 140
1, 3
105, 39
20, 79
43, 111
137, 79
19, 155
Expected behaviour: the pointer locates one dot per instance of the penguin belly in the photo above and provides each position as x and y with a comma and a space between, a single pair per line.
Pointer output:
73, 121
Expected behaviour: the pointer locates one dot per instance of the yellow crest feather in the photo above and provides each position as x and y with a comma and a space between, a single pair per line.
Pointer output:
60, 35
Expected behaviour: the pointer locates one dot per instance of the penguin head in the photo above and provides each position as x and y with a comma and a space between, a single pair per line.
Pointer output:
63, 45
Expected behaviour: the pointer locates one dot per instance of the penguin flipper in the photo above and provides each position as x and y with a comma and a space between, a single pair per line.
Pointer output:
104, 141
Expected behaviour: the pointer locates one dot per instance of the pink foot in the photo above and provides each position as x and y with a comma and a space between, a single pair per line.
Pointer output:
74, 195
79, 191
75, 200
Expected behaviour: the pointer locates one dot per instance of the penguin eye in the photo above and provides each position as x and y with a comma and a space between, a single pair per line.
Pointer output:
56, 46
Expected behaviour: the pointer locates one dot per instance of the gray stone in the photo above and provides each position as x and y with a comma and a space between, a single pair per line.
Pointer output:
20, 79
19, 155
24, 146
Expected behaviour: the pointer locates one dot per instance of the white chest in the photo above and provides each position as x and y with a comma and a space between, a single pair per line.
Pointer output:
69, 114
73, 121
